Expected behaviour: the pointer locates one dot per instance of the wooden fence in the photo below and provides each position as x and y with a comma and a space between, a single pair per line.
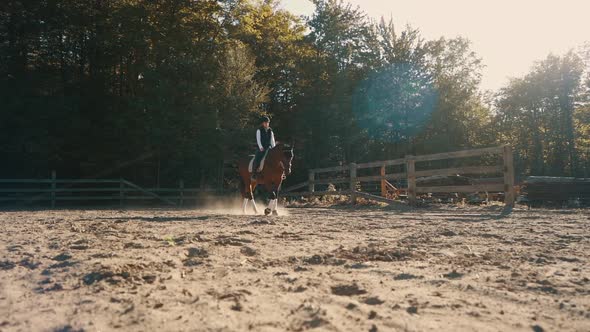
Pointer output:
54, 190
410, 174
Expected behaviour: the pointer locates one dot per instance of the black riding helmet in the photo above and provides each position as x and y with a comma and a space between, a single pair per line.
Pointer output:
264, 119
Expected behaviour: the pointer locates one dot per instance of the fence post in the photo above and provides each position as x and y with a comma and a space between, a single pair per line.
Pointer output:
383, 186
181, 192
352, 183
53, 185
121, 191
411, 170
508, 176
311, 184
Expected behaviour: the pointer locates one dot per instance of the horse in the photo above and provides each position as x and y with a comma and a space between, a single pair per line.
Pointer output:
277, 166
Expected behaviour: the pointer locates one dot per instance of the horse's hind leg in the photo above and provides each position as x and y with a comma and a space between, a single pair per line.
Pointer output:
245, 205
244, 193
251, 197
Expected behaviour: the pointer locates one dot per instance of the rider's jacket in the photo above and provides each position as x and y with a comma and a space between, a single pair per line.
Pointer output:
265, 138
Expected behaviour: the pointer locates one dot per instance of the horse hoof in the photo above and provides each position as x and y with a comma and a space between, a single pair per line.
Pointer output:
275, 213
267, 211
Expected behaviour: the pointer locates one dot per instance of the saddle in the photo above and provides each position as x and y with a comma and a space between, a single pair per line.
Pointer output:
261, 165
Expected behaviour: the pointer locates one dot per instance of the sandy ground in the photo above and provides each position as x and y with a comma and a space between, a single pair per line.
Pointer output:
328, 269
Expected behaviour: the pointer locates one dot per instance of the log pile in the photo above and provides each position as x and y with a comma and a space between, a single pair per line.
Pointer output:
556, 189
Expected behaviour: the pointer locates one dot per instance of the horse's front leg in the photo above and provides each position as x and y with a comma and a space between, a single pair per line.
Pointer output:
272, 205
254, 205
274, 209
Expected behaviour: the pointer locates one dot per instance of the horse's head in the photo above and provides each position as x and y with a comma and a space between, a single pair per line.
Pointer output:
287, 157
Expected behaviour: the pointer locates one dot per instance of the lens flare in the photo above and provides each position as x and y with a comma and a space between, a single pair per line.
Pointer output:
396, 103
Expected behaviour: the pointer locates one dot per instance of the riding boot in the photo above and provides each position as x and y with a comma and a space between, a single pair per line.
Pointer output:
254, 173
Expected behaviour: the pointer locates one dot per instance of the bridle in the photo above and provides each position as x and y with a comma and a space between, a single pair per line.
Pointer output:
284, 176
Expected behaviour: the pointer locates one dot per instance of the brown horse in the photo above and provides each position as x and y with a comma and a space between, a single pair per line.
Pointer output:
276, 167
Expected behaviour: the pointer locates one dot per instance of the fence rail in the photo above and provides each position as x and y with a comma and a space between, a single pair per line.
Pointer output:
54, 190
504, 184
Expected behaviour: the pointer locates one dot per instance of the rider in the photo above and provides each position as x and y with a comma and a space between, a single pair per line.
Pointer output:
265, 139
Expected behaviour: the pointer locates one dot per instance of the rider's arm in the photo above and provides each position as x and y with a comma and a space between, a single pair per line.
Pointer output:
258, 140
272, 139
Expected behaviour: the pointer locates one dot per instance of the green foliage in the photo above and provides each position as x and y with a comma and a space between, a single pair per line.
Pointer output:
536, 114
155, 91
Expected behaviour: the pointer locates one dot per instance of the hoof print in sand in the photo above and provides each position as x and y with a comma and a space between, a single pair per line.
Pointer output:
192, 262
298, 289
62, 257
453, 275
448, 233
237, 306
194, 257
406, 276
262, 222
113, 278
248, 251
358, 266
374, 301
323, 260
62, 265
231, 241
55, 287
14, 248
133, 245
368, 254
79, 245
29, 264
67, 328
309, 316
237, 297
94, 277
7, 265
348, 290
150, 279
197, 252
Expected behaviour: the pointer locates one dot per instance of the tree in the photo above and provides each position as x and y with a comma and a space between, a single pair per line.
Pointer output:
340, 36
395, 102
537, 113
460, 115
